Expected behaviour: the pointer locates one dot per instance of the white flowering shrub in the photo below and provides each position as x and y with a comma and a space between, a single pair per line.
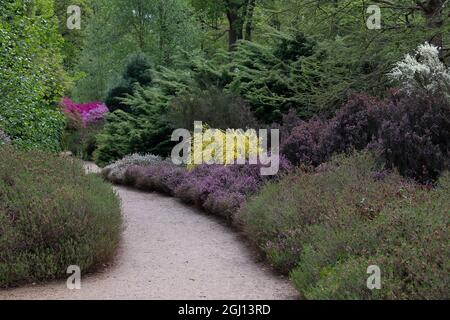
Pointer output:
116, 170
423, 73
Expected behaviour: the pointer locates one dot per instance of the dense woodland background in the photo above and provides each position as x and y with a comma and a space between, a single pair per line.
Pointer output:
276, 55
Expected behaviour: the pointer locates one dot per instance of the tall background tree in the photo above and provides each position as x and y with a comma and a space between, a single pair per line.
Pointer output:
32, 77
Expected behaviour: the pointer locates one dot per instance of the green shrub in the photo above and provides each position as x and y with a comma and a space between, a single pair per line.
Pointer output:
145, 128
31, 80
137, 71
82, 141
52, 216
330, 224
214, 107
408, 242
279, 218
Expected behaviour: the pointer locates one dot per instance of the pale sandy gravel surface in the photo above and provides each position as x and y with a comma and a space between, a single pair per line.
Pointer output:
171, 251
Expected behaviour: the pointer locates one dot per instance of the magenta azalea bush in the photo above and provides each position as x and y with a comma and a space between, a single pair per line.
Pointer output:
90, 112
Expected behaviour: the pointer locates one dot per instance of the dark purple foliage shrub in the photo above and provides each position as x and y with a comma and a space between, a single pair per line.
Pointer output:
314, 142
131, 175
411, 134
355, 125
306, 143
415, 138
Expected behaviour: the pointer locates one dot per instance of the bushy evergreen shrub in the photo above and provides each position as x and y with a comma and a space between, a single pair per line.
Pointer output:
214, 107
137, 71
326, 226
269, 81
278, 219
406, 240
52, 216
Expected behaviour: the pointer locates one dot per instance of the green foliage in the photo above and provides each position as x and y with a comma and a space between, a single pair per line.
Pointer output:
213, 107
145, 129
82, 141
269, 80
327, 226
137, 71
73, 38
31, 80
406, 241
52, 216
118, 28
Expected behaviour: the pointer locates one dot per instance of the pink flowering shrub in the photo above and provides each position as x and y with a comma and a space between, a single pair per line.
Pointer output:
90, 112
84, 122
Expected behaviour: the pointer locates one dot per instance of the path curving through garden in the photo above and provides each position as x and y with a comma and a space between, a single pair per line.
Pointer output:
171, 251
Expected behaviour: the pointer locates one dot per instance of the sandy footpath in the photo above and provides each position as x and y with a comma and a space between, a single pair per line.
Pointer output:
171, 251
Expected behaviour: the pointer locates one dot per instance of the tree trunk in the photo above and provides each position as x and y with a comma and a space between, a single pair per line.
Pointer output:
249, 24
236, 23
235, 33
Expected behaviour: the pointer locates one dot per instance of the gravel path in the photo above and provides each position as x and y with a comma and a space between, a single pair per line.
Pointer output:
171, 251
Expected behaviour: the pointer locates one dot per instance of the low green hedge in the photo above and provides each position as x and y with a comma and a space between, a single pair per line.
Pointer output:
326, 226
52, 216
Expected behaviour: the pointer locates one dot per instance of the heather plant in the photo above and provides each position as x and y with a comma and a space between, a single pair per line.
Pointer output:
53, 215
207, 186
217, 189
165, 177
137, 71
115, 171
280, 217
415, 138
324, 226
407, 240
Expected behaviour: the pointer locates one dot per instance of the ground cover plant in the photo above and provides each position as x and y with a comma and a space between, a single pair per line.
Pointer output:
53, 216
325, 226
217, 189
